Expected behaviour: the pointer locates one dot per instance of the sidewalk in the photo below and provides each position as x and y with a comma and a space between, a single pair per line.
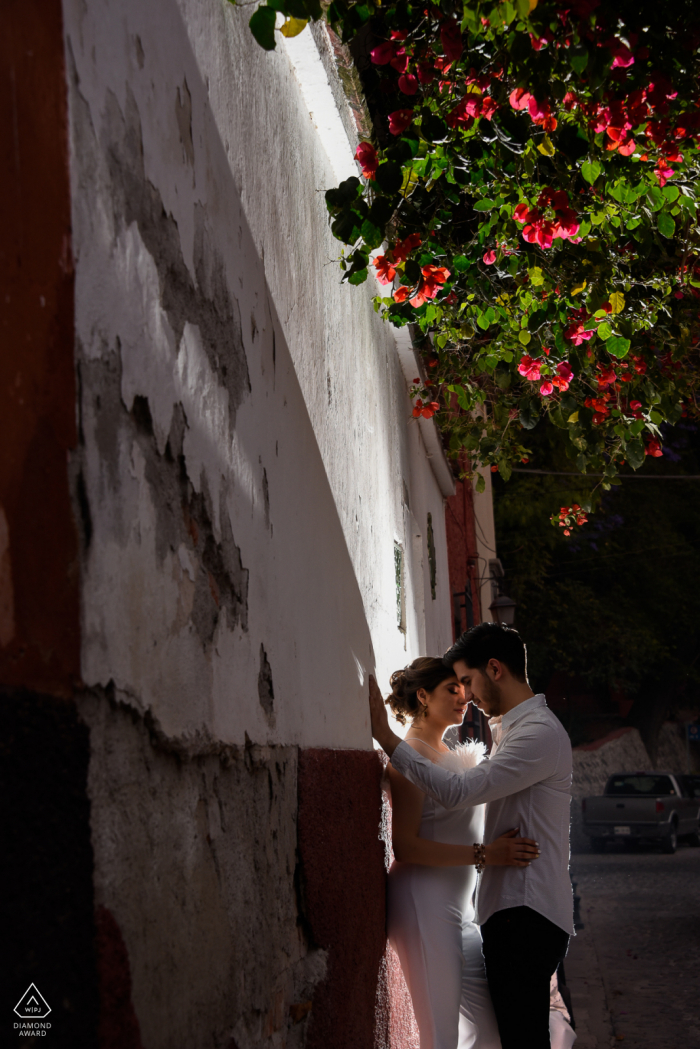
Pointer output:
585, 982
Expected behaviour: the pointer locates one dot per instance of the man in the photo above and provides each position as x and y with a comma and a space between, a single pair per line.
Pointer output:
526, 914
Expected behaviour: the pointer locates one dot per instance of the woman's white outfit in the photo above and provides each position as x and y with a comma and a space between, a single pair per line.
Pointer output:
430, 923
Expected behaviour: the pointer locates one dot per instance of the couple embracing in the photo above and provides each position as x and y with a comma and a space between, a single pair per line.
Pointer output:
478, 980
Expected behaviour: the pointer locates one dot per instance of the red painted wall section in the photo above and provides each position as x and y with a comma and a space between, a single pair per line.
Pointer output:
119, 1026
343, 889
39, 606
462, 555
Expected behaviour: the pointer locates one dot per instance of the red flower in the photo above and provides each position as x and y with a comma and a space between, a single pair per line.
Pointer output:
385, 271
540, 231
490, 257
427, 410
366, 154
399, 120
577, 334
403, 248
401, 294
546, 388
653, 448
522, 213
607, 376
529, 368
383, 53
425, 73
429, 285
488, 106
400, 61
640, 365
451, 39
663, 173
408, 84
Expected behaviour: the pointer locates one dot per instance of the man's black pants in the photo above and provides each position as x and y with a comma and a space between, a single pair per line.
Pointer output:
522, 949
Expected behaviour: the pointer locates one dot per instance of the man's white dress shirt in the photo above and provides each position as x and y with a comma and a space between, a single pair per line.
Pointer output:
527, 784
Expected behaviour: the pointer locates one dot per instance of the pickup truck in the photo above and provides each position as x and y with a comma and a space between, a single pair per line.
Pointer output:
644, 807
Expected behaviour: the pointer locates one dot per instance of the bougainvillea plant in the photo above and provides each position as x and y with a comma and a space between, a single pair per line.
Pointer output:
529, 203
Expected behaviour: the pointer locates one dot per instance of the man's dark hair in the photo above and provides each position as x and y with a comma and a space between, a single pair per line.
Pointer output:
490, 641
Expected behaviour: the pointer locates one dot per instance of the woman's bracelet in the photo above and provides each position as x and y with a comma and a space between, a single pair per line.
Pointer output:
479, 857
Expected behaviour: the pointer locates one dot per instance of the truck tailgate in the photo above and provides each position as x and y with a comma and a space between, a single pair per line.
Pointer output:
618, 809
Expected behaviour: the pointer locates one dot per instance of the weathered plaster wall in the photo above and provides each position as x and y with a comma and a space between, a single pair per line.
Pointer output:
244, 468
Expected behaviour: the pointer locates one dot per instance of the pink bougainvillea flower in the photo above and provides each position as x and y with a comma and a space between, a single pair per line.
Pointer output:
606, 376
382, 54
626, 149
490, 257
546, 388
400, 61
520, 98
399, 120
653, 448
640, 365
451, 39
577, 334
450, 300
385, 271
425, 73
565, 371
663, 173
541, 231
432, 280
401, 294
488, 106
623, 57
570, 101
403, 248
529, 368
522, 213
366, 154
408, 83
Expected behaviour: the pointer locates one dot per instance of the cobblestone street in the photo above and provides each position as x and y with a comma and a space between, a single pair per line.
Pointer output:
634, 970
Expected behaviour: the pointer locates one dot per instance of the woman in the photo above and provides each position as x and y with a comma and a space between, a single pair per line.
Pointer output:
432, 881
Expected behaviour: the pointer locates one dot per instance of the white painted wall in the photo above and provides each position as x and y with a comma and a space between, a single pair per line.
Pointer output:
323, 414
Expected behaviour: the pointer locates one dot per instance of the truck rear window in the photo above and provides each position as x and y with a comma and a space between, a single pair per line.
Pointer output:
653, 785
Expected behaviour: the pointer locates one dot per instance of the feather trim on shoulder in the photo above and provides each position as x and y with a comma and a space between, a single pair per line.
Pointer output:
464, 756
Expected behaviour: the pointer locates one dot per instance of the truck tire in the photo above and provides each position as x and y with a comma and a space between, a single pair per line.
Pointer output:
598, 844
670, 842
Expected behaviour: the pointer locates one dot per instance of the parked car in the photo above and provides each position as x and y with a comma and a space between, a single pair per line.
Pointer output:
647, 807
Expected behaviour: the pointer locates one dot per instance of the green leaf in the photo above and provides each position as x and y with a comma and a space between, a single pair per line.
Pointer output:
637, 427
371, 234
671, 192
389, 176
656, 198
262, 26
523, 7
460, 263
590, 170
656, 418
604, 331
483, 321
618, 346
359, 277
579, 62
480, 485
536, 276
505, 469
525, 337
667, 227
635, 454
484, 205
529, 413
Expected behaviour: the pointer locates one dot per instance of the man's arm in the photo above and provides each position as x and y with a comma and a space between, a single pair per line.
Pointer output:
528, 758
386, 739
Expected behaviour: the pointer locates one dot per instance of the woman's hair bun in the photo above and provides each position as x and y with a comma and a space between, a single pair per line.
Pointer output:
426, 672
